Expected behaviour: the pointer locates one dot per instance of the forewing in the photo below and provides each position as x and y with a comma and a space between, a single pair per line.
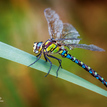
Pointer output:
55, 25
65, 33
69, 32
84, 46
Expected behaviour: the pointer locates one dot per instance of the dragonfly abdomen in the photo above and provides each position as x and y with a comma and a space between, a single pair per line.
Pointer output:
64, 53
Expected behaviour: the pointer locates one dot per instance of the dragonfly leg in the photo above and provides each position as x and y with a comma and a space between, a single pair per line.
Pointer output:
38, 57
50, 65
59, 60
45, 57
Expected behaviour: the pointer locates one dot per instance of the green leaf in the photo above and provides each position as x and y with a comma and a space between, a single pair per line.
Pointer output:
19, 56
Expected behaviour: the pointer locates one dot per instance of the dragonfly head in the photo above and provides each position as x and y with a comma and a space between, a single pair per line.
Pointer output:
37, 47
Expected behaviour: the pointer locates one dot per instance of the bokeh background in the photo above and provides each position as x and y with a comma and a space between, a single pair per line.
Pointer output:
21, 23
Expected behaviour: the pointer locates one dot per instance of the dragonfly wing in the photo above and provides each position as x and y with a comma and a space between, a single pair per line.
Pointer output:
63, 39
55, 25
69, 32
84, 46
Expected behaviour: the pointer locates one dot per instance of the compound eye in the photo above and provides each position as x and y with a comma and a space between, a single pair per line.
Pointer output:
34, 46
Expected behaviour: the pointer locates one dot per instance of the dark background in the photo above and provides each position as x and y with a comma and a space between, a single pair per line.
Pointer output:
22, 22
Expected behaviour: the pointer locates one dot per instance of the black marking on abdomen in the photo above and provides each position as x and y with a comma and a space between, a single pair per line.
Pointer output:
64, 53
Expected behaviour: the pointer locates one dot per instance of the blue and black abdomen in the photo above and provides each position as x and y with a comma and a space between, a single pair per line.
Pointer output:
64, 53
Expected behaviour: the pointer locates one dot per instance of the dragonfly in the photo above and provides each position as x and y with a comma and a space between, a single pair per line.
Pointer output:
62, 35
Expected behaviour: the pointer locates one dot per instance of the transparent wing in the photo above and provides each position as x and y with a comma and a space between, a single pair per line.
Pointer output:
84, 46
55, 25
65, 33
69, 32
71, 40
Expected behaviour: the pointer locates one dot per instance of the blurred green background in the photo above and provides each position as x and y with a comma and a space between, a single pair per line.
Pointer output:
22, 22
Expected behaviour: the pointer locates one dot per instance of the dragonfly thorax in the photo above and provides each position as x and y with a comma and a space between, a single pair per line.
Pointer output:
37, 47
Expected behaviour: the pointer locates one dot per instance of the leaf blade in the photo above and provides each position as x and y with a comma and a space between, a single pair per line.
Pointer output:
19, 56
